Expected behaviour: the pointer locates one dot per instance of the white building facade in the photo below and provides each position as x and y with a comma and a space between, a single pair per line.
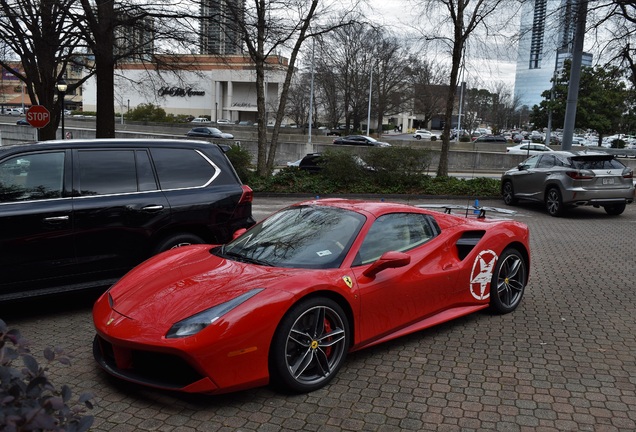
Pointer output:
199, 85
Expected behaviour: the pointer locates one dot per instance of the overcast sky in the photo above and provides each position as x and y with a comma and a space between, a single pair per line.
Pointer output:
401, 14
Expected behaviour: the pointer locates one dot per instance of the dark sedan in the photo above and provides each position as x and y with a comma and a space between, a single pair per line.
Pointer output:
360, 140
209, 132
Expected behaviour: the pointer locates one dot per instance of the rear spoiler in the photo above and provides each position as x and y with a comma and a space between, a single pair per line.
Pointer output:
477, 210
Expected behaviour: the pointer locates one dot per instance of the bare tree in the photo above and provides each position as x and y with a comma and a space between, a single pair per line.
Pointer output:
38, 37
391, 73
108, 29
458, 21
427, 83
268, 26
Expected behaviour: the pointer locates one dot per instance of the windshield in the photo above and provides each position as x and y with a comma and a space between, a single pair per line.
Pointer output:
298, 237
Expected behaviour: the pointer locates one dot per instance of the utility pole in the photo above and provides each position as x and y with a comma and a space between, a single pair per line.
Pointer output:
575, 76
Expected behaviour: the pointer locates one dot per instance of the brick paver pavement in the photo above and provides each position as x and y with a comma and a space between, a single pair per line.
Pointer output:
565, 360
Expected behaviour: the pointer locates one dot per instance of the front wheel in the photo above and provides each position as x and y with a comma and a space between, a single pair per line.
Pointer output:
615, 209
417, 137
310, 345
554, 202
508, 282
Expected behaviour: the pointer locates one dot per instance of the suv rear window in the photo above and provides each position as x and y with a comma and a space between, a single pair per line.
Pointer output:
183, 168
597, 163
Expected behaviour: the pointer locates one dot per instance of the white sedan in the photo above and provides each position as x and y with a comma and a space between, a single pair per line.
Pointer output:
425, 134
528, 149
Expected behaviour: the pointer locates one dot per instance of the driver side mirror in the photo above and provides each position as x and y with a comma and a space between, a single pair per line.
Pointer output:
390, 259
522, 166
238, 233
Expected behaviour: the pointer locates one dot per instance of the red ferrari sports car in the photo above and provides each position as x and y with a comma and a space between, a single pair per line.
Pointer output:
284, 302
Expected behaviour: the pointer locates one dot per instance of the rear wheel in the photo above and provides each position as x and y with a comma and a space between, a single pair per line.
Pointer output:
508, 193
554, 202
310, 345
615, 209
508, 282
417, 137
177, 240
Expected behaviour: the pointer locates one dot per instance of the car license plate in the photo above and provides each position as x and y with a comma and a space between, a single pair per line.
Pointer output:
608, 181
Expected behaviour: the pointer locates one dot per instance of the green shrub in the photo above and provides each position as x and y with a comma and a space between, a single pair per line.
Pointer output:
28, 400
147, 112
242, 161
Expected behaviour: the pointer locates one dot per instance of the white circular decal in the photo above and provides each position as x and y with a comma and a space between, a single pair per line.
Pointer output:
480, 277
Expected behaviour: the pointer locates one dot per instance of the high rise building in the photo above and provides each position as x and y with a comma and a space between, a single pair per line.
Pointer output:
218, 31
547, 37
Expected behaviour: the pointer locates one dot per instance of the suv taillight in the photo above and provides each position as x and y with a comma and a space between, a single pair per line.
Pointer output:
248, 195
580, 175
628, 173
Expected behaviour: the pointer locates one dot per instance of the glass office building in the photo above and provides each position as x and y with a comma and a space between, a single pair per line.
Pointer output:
547, 36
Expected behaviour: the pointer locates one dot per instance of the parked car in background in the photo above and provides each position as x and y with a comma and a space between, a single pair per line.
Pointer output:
224, 121
209, 132
528, 148
491, 138
286, 301
23, 122
79, 214
200, 120
561, 179
425, 134
14, 111
360, 140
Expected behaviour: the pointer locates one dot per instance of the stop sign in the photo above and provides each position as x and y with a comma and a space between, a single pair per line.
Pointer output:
38, 116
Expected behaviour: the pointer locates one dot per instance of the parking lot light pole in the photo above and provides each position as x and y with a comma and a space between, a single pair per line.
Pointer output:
61, 89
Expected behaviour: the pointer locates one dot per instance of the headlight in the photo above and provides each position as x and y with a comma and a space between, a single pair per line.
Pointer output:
198, 322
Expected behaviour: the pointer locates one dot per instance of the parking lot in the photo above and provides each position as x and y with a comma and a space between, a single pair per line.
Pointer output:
565, 360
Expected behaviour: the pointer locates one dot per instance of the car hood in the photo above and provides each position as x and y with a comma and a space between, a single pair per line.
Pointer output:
181, 282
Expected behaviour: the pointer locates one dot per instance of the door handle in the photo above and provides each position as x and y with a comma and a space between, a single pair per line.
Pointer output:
56, 219
447, 266
152, 208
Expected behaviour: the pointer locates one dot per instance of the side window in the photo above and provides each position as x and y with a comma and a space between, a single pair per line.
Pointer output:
547, 161
183, 168
32, 177
103, 172
531, 162
395, 232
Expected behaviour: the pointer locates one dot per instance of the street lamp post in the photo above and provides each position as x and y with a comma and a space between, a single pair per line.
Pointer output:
61, 89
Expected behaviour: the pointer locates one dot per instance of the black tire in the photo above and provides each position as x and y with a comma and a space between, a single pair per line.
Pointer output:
508, 193
175, 241
615, 209
433, 138
417, 137
508, 281
554, 202
310, 345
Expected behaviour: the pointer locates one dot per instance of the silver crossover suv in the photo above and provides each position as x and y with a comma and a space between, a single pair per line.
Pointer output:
564, 179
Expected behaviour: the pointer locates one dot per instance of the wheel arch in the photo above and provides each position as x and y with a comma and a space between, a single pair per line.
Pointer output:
522, 250
332, 295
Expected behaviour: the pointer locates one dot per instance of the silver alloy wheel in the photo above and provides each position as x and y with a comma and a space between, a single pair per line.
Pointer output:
315, 346
511, 280
553, 202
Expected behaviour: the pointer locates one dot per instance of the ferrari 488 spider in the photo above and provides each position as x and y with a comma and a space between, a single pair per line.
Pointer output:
284, 302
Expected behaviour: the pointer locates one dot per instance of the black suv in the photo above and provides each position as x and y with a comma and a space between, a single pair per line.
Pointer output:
79, 214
